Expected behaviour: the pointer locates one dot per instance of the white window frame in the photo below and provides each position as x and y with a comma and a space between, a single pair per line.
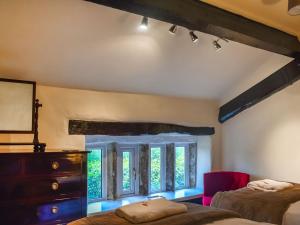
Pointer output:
135, 167
162, 167
103, 147
186, 165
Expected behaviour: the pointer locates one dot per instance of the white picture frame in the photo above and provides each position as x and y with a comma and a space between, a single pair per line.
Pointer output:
17, 99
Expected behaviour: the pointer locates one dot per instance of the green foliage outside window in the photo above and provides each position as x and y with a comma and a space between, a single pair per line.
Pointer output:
180, 167
155, 169
94, 174
95, 171
126, 171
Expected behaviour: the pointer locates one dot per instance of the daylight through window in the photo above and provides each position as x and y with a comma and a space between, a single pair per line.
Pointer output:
129, 172
95, 174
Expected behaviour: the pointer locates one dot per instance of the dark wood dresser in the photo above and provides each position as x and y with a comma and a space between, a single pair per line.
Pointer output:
42, 188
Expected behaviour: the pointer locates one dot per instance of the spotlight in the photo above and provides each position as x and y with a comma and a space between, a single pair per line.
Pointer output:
217, 46
193, 36
144, 23
173, 29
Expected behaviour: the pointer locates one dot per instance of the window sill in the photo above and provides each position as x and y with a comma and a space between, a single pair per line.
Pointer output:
109, 205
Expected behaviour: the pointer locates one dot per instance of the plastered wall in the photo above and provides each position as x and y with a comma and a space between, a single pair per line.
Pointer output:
265, 139
60, 105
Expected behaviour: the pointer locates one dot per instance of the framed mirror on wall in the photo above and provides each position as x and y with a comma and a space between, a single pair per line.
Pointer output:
17, 106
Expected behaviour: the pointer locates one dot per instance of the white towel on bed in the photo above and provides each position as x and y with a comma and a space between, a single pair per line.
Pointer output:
268, 185
147, 211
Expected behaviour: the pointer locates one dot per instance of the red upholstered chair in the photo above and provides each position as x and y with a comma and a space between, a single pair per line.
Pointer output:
222, 181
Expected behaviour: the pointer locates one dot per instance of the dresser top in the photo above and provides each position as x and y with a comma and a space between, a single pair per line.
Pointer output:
49, 152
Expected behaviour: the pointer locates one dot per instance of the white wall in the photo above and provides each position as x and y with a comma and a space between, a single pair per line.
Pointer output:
265, 139
255, 75
61, 104
203, 156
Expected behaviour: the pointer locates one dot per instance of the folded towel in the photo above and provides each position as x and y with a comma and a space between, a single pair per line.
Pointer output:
147, 211
268, 185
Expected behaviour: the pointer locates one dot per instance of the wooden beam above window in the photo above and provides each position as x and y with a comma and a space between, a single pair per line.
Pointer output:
79, 127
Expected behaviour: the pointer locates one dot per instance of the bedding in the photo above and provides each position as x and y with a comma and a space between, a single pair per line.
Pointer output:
292, 216
196, 215
237, 222
258, 205
269, 185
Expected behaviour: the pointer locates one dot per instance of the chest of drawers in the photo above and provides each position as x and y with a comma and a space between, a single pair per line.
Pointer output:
42, 188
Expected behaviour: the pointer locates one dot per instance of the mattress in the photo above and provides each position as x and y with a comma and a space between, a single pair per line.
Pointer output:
219, 222
292, 216
237, 222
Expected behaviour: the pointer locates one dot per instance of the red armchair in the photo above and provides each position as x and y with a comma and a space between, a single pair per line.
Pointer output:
222, 181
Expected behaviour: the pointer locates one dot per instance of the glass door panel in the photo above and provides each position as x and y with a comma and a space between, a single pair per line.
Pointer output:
94, 174
155, 171
126, 170
180, 176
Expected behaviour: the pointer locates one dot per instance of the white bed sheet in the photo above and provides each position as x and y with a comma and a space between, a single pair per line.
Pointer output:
237, 222
292, 216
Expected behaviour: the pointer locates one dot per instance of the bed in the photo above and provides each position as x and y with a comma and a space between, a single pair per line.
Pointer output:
196, 215
282, 207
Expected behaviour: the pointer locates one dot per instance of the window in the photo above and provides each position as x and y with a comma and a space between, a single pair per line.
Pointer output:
181, 167
157, 168
96, 173
126, 166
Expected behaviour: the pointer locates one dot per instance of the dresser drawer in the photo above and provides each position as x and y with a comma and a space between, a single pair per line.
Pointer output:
55, 187
48, 213
54, 165
59, 211
9, 167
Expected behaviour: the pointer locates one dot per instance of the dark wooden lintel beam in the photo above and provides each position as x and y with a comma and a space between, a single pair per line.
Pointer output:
79, 127
279, 80
200, 16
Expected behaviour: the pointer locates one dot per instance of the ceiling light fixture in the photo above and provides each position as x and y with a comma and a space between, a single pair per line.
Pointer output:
217, 45
173, 29
294, 7
193, 36
144, 23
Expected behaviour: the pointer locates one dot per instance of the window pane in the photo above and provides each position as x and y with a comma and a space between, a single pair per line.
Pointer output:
126, 171
94, 174
155, 169
180, 167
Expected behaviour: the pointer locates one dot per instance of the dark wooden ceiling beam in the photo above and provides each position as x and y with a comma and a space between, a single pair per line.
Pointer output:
279, 80
200, 16
79, 127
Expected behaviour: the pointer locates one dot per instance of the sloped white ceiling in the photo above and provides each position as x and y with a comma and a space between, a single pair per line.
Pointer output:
77, 44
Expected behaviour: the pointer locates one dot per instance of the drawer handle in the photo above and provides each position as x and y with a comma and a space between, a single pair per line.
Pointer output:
55, 165
55, 186
54, 210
